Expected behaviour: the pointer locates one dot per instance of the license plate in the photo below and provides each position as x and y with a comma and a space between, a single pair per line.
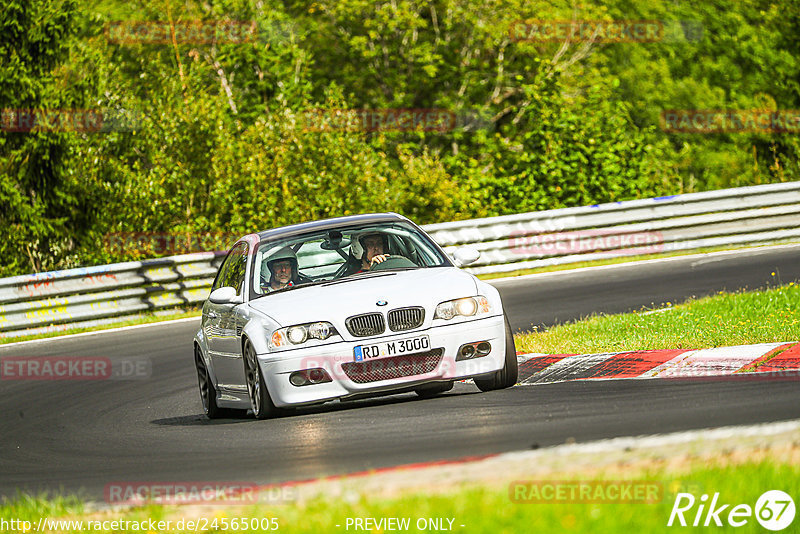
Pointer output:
391, 348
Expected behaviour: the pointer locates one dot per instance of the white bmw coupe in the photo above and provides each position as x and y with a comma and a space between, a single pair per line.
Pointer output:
345, 308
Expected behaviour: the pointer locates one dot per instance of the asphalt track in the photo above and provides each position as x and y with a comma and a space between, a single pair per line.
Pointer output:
82, 436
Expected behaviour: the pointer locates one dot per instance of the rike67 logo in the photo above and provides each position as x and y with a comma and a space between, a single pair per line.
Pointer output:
774, 510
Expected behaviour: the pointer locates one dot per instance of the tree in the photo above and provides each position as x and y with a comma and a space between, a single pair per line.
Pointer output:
41, 205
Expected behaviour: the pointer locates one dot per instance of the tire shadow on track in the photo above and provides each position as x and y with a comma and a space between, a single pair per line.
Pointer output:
242, 416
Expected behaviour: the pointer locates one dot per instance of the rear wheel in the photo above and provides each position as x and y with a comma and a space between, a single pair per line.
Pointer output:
260, 401
208, 393
507, 376
432, 390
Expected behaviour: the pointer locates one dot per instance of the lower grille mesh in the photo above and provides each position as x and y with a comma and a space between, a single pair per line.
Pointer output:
395, 367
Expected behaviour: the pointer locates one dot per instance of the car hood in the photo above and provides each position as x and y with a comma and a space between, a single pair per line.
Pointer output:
353, 296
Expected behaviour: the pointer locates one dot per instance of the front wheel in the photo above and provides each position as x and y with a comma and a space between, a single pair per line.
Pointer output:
260, 401
507, 376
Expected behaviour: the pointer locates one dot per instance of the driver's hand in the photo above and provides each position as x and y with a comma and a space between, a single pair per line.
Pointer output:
380, 258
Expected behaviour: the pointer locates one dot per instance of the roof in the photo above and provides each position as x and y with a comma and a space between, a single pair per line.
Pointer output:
328, 224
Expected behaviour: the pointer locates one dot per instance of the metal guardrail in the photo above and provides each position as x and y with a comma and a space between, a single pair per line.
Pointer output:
104, 294
75, 298
752, 215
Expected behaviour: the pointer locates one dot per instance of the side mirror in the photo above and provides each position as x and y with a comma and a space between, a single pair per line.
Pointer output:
224, 295
465, 256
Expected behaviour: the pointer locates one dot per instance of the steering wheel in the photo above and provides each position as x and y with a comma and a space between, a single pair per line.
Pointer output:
393, 262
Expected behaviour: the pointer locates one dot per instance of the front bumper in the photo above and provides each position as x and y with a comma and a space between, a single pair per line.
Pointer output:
277, 367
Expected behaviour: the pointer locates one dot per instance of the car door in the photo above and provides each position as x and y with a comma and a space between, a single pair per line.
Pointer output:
211, 311
225, 346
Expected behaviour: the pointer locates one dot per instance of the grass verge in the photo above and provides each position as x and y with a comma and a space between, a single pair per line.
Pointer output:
720, 320
491, 507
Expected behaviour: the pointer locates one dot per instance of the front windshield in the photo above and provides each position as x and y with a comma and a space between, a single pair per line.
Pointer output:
350, 251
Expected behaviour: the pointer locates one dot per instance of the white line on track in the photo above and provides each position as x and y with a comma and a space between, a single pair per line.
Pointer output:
98, 332
702, 257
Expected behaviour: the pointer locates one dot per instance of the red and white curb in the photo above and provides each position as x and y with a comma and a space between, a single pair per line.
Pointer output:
773, 359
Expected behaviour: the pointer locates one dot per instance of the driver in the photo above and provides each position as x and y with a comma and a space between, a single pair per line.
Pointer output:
282, 268
370, 248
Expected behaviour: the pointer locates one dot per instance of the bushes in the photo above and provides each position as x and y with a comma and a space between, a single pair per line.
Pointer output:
220, 145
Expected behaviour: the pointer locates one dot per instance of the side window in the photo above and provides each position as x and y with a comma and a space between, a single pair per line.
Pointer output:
220, 279
235, 267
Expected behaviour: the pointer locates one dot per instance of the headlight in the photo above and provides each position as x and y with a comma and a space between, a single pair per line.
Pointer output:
299, 334
320, 330
465, 307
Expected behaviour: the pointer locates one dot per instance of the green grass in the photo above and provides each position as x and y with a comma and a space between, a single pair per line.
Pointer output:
490, 508
720, 320
30, 508
143, 319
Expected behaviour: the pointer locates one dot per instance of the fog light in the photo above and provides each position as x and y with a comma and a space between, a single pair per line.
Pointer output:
476, 349
309, 377
466, 352
316, 376
298, 379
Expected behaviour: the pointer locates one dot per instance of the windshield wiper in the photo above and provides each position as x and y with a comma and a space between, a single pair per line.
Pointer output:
359, 276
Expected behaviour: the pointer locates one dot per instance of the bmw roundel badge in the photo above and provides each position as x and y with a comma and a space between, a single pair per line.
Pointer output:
381, 303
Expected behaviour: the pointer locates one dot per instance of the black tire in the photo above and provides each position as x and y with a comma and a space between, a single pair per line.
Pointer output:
507, 376
432, 390
260, 401
208, 393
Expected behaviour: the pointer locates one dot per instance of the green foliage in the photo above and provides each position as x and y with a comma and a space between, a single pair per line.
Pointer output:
41, 207
217, 141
